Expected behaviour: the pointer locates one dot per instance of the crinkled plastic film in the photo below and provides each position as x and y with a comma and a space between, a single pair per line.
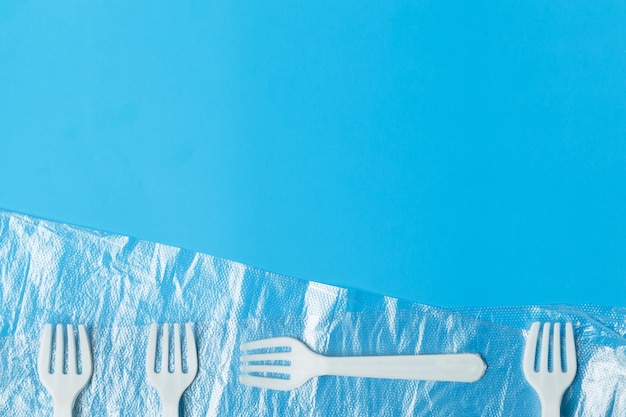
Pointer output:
117, 286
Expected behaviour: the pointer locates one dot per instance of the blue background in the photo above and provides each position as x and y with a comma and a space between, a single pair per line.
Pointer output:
453, 153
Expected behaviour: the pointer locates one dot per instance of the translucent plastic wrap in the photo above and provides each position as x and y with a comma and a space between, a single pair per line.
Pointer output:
117, 286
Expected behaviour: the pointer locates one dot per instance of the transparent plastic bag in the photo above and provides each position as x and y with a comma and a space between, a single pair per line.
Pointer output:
117, 286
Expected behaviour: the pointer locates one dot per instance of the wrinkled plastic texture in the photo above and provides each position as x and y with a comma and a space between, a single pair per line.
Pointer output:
117, 286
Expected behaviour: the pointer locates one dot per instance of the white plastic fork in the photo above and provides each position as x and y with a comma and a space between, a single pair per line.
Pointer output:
550, 384
63, 386
295, 364
171, 384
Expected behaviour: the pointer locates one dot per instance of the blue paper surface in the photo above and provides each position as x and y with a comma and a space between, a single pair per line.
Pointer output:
117, 286
452, 153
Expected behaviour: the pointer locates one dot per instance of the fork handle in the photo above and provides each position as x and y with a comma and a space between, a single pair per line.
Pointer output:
462, 367
170, 409
551, 407
63, 409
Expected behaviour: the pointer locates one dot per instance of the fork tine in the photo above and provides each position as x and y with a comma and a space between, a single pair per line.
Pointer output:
258, 357
192, 354
531, 348
570, 348
71, 350
177, 353
272, 342
278, 369
45, 350
151, 352
556, 348
85, 350
60, 350
165, 348
545, 347
269, 383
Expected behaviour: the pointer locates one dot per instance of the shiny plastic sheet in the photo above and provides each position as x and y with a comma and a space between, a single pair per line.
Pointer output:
117, 286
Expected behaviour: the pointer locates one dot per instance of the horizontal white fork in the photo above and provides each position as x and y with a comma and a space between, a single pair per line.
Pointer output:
296, 363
